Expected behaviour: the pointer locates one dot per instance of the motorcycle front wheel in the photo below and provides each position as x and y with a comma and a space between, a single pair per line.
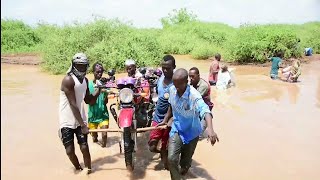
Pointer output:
128, 148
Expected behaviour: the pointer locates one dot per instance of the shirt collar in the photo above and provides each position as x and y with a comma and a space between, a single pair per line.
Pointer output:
186, 92
199, 83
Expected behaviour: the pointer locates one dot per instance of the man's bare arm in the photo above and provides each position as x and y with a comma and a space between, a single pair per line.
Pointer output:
91, 98
167, 117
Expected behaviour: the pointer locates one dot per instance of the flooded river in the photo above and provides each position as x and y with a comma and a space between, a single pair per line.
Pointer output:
268, 130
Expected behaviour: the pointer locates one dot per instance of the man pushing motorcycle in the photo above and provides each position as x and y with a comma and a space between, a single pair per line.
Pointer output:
164, 83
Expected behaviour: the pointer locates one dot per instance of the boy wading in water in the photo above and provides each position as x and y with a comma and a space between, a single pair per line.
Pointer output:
72, 117
98, 115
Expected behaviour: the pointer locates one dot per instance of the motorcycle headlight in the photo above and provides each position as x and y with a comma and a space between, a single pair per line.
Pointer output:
126, 95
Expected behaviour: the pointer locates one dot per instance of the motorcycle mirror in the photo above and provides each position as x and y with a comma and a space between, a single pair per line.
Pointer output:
143, 70
111, 72
157, 72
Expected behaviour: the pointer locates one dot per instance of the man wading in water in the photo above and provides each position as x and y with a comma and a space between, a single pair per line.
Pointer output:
74, 89
187, 108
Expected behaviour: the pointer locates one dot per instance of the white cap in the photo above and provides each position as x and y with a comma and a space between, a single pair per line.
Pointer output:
130, 62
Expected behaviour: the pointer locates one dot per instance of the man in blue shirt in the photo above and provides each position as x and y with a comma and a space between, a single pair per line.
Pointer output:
187, 108
164, 83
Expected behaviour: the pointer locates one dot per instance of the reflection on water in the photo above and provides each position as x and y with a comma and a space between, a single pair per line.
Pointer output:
293, 91
264, 126
12, 87
318, 93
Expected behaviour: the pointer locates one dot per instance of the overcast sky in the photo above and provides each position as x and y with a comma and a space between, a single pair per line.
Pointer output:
147, 13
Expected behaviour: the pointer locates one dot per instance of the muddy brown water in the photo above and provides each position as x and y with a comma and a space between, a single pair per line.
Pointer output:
268, 130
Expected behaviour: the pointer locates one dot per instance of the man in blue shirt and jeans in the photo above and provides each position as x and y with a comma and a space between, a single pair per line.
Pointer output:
187, 108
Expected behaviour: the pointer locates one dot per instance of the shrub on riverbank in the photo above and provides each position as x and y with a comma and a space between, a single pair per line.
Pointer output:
111, 42
17, 37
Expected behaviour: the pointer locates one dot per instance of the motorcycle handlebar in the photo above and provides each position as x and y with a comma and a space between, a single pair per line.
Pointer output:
113, 95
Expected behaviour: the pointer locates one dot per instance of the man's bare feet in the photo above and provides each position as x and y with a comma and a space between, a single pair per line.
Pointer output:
104, 143
95, 140
77, 170
164, 158
183, 171
86, 171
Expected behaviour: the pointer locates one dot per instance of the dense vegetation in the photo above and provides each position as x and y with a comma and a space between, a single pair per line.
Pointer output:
111, 41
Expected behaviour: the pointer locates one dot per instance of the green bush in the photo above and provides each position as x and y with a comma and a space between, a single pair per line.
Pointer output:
130, 45
17, 37
109, 42
112, 42
252, 43
205, 50
309, 33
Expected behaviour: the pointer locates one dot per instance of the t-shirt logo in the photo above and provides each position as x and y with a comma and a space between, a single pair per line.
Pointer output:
166, 95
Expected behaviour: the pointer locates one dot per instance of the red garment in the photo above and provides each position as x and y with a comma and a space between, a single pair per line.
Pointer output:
158, 134
214, 67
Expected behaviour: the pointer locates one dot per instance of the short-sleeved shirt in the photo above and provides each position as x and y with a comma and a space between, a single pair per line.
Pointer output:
187, 112
204, 88
275, 65
162, 103
97, 112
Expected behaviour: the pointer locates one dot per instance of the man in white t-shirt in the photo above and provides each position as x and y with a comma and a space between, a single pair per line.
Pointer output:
224, 78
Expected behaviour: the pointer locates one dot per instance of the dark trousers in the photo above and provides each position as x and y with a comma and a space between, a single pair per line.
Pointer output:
176, 147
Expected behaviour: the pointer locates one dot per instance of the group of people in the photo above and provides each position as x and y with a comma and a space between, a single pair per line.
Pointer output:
290, 73
219, 75
185, 108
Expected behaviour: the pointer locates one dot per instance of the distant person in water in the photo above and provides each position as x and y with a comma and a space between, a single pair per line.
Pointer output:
131, 69
98, 115
73, 121
224, 78
292, 73
187, 108
214, 69
276, 65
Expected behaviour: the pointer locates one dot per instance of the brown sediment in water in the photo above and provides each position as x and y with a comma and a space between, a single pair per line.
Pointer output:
268, 130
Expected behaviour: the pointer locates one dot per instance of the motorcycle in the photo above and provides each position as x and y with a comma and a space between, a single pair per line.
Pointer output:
135, 106
152, 75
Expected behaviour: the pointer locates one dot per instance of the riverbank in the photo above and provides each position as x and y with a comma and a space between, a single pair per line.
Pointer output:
35, 59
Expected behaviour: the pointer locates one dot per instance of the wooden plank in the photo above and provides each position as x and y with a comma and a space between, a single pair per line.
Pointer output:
120, 130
